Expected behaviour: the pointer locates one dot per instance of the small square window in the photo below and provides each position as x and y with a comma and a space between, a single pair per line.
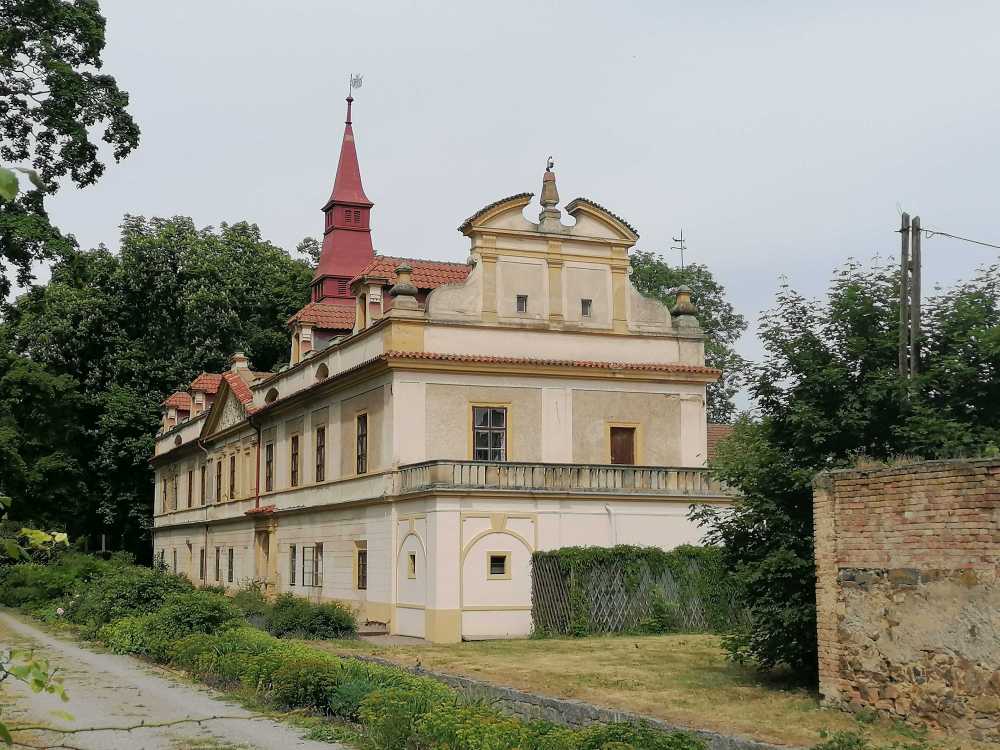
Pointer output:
411, 565
586, 308
522, 303
498, 565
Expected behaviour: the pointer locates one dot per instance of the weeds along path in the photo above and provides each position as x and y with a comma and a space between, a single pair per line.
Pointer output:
107, 690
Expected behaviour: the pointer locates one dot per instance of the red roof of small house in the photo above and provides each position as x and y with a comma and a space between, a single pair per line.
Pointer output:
716, 434
427, 274
180, 400
326, 316
239, 387
208, 382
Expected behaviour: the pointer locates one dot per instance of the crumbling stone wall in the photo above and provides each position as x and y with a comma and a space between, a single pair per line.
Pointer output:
908, 592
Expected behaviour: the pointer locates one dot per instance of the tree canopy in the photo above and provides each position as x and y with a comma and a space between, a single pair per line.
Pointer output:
53, 102
92, 354
828, 395
722, 325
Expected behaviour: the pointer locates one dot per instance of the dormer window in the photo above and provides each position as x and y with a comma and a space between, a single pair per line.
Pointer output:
522, 303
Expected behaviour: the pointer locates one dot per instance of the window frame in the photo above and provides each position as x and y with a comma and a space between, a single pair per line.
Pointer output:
230, 564
218, 564
361, 565
411, 565
292, 556
586, 308
190, 489
175, 560
473, 429
202, 564
232, 476
218, 481
490, 575
518, 299
361, 443
269, 466
202, 474
294, 460
319, 468
312, 565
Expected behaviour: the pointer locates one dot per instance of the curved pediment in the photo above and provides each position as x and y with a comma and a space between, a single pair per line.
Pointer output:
595, 220
505, 213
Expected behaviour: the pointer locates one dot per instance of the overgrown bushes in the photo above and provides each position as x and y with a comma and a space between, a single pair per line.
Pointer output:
582, 590
162, 617
290, 615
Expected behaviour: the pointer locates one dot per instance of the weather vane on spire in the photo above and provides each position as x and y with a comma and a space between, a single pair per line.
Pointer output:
549, 164
354, 83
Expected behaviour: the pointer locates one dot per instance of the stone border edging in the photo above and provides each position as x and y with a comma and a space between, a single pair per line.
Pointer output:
564, 711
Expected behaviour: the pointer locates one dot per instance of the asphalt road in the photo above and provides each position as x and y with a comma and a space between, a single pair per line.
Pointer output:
108, 690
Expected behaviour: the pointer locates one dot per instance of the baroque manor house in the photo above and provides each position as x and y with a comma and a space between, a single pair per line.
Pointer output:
438, 422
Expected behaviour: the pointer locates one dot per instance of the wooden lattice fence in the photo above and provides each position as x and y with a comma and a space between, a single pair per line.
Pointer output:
619, 594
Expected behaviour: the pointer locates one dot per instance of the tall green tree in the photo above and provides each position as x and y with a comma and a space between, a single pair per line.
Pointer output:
126, 330
828, 393
53, 102
723, 326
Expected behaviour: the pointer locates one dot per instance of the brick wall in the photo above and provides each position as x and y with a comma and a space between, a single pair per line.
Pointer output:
908, 592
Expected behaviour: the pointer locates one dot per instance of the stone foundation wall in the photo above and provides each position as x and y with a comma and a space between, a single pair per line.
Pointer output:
908, 593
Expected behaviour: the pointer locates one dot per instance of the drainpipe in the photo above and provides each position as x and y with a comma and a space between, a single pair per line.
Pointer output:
612, 525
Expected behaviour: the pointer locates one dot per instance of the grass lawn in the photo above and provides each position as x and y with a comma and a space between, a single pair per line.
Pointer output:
682, 679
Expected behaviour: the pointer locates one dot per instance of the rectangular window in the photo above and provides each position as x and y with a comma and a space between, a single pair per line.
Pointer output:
362, 553
218, 563
269, 467
489, 433
218, 481
291, 565
294, 458
498, 565
232, 476
623, 445
522, 303
361, 434
163, 496
175, 561
320, 454
201, 564
190, 497
201, 484
586, 308
229, 570
173, 493
411, 565
312, 565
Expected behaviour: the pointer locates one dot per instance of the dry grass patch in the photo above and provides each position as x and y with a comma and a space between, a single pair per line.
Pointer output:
682, 679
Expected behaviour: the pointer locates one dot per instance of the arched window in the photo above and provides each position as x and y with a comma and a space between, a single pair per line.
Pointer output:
177, 440
322, 372
271, 395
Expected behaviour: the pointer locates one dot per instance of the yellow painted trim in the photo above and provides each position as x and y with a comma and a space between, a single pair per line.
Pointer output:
505, 576
401, 605
501, 608
405, 335
639, 444
443, 625
507, 406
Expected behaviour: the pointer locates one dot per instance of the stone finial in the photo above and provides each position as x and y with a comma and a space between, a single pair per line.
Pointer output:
549, 218
403, 286
684, 310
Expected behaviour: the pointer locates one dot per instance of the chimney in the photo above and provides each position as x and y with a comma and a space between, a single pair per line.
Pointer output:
239, 362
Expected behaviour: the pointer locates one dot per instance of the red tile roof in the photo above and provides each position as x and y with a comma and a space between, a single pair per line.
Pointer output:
180, 400
486, 359
327, 316
716, 434
207, 382
239, 387
427, 274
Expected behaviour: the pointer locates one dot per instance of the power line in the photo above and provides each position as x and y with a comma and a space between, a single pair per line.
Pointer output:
929, 233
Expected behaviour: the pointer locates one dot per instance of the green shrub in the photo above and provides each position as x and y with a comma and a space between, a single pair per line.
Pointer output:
305, 683
348, 696
127, 635
38, 584
293, 615
123, 592
641, 737
389, 716
252, 603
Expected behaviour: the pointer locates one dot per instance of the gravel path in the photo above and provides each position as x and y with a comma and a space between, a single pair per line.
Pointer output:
108, 690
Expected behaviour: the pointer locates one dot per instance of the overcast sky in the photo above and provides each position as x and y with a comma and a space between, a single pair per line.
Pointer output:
782, 136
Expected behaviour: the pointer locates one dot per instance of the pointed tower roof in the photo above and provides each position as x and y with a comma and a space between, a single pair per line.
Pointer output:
347, 187
347, 238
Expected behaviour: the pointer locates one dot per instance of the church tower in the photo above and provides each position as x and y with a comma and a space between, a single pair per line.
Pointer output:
347, 236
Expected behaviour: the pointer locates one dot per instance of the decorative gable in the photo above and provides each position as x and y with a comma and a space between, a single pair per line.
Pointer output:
227, 411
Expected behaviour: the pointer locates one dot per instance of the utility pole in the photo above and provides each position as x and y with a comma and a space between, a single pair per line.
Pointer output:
909, 297
679, 246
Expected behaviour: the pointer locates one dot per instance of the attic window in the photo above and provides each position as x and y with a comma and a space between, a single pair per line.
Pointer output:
271, 395
522, 303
